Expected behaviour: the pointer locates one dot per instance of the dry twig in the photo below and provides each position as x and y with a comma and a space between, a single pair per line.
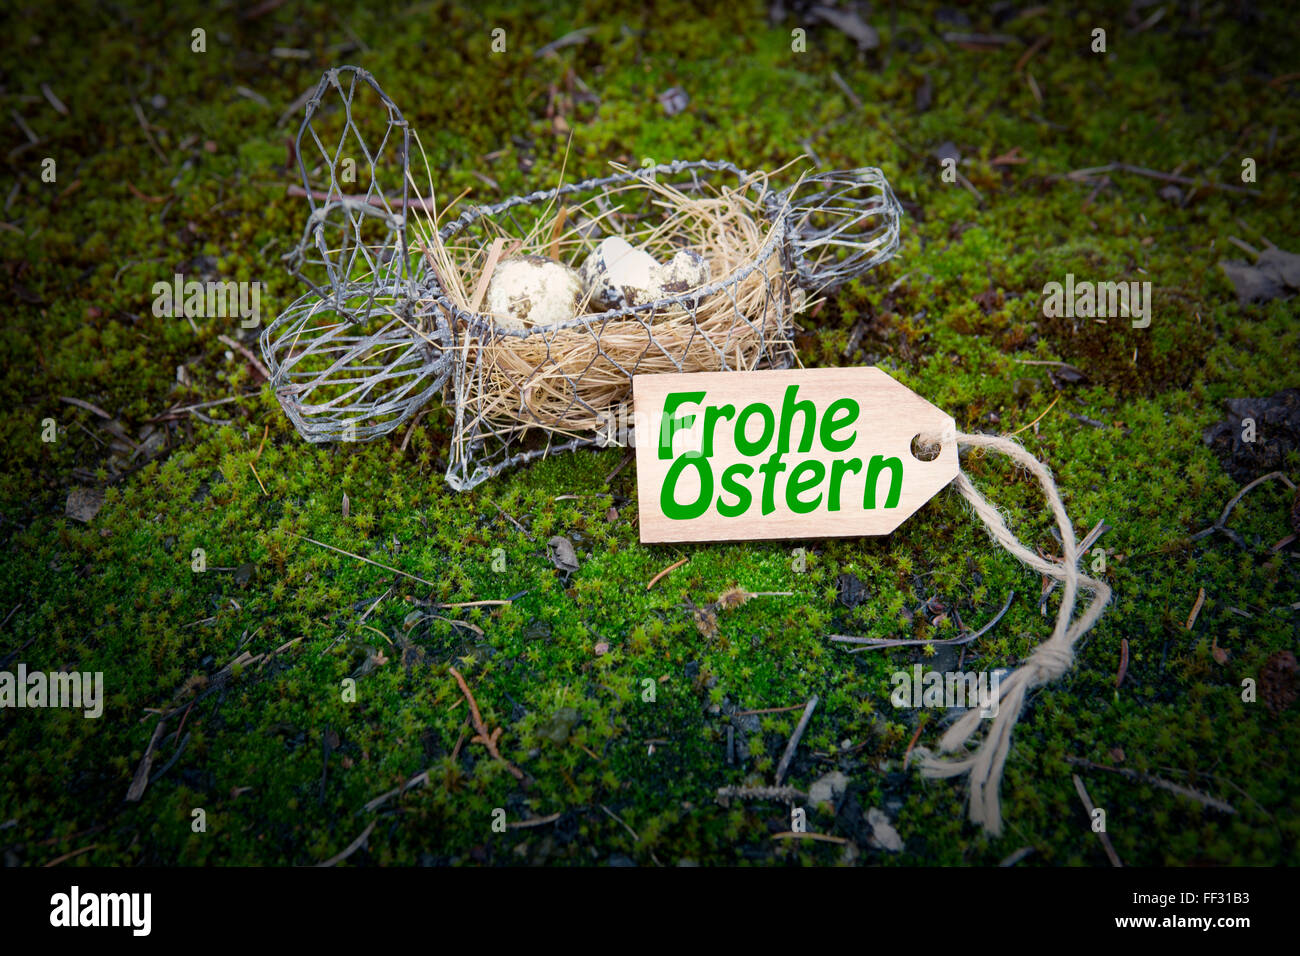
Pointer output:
1160, 782
1101, 834
1196, 609
665, 572
482, 736
793, 745
352, 847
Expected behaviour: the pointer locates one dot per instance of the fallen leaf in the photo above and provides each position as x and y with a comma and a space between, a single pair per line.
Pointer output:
559, 726
1282, 265
244, 574
1274, 272
1062, 375
850, 591
84, 503
1276, 434
347, 505
1277, 681
560, 550
988, 300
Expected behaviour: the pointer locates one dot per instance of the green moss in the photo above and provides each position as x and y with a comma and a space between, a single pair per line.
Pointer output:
120, 594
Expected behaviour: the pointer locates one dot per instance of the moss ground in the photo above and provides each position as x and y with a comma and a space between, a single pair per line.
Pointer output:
284, 768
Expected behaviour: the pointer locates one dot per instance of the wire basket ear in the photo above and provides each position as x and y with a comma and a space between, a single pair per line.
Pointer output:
357, 365
840, 224
353, 152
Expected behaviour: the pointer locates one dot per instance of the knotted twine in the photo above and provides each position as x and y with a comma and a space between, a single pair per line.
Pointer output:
1049, 660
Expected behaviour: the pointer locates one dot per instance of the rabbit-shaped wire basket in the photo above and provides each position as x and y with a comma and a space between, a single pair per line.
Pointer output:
390, 323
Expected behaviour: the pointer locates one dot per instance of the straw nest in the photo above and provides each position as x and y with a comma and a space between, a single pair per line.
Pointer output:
566, 377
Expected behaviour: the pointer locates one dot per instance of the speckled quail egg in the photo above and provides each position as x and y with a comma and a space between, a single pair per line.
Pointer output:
530, 291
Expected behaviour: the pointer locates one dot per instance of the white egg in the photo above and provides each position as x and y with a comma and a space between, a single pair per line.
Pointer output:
685, 271
529, 291
619, 275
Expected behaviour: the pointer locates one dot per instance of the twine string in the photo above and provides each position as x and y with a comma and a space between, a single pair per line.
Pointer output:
1049, 660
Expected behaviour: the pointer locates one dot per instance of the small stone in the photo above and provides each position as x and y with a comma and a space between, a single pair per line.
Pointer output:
828, 788
674, 100
602, 648
883, 834
530, 291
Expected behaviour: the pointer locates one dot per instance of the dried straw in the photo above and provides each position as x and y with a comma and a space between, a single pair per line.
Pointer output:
566, 377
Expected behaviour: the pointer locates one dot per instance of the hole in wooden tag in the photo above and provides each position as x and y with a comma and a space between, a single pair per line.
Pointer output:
926, 448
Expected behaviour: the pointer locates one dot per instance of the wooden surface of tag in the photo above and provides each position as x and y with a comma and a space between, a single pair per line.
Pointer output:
804, 453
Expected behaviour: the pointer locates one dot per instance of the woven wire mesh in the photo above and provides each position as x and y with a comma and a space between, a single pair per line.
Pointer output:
352, 141
500, 420
378, 336
348, 360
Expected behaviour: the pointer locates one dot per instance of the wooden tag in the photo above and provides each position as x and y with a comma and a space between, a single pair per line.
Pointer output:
805, 453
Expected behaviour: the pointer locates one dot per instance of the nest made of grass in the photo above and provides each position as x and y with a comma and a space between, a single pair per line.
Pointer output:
567, 377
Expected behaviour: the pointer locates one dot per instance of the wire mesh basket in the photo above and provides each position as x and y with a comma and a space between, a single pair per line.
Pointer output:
386, 325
